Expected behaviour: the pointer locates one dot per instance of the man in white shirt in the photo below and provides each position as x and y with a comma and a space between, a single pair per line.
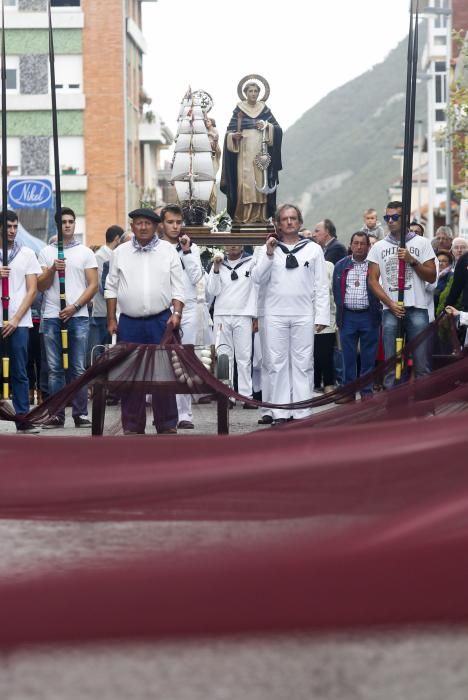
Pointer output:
81, 283
235, 309
195, 320
418, 256
22, 270
145, 279
296, 298
98, 334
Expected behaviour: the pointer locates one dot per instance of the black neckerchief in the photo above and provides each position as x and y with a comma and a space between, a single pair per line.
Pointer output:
234, 275
291, 260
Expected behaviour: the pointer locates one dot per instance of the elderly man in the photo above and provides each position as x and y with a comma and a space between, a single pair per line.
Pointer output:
293, 275
420, 268
459, 248
324, 234
145, 279
442, 238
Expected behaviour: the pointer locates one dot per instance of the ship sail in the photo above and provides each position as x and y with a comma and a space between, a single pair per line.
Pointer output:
193, 170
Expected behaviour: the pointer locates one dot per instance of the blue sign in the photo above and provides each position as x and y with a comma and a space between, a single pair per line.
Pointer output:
30, 194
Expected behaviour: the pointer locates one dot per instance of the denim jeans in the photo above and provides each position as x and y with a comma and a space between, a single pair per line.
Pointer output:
359, 328
98, 335
148, 330
414, 322
78, 327
19, 382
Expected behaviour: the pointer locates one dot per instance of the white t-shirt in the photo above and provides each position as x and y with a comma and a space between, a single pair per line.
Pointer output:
78, 259
24, 263
385, 254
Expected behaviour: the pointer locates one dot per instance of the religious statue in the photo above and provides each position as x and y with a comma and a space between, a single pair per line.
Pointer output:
252, 155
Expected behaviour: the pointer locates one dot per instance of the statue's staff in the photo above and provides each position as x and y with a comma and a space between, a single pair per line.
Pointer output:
5, 281
412, 64
58, 192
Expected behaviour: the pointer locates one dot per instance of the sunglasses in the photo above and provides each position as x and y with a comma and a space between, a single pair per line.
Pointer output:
391, 217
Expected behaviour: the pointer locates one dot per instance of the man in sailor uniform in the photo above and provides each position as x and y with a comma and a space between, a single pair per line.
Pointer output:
195, 321
235, 310
296, 297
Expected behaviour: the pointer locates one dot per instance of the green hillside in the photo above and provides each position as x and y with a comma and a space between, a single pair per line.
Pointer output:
338, 158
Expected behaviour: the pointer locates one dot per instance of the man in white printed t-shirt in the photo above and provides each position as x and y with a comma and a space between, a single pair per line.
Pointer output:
296, 301
235, 309
81, 284
420, 268
22, 270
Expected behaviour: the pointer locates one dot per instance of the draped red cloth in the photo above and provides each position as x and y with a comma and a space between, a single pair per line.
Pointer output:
380, 490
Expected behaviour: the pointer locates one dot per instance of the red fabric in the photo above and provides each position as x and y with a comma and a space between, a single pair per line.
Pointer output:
379, 489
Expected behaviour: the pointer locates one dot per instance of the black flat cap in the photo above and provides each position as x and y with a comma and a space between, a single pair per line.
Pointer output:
145, 214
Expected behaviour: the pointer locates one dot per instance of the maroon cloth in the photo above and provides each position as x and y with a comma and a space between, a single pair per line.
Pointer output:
380, 489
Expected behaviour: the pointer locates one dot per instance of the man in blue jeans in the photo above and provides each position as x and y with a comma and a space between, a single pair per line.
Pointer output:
145, 280
358, 313
22, 270
81, 283
420, 268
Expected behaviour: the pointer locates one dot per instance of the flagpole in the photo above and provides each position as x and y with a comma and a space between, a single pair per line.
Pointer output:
5, 280
412, 61
58, 191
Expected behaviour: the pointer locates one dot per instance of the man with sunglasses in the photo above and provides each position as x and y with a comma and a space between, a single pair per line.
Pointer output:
420, 268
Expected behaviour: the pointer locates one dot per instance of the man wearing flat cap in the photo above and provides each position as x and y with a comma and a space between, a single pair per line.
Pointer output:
145, 280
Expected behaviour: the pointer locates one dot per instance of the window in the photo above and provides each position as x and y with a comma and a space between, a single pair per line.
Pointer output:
12, 73
440, 115
440, 82
65, 3
71, 152
13, 157
10, 3
69, 73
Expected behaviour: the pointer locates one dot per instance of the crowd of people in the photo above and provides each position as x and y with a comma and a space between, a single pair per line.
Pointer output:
299, 315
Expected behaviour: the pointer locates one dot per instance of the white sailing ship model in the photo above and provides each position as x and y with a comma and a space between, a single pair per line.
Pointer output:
193, 169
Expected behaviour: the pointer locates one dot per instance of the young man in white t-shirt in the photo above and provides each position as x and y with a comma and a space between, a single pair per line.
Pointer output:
81, 284
420, 268
22, 270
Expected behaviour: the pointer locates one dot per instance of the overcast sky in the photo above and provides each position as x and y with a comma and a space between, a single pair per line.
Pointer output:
304, 48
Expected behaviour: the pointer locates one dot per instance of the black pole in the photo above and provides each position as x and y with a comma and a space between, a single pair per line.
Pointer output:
5, 282
58, 191
412, 61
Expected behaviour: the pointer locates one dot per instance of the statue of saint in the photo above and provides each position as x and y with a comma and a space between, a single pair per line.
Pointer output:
252, 155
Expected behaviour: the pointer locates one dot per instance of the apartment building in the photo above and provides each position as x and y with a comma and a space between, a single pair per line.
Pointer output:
109, 145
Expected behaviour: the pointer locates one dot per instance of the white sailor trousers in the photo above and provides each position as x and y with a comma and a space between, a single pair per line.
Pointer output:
290, 342
265, 376
234, 337
189, 326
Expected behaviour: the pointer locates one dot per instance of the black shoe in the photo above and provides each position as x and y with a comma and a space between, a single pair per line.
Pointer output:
27, 429
265, 420
55, 422
247, 405
185, 425
279, 421
82, 422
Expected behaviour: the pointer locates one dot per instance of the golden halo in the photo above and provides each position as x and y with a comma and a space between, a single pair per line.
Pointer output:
254, 77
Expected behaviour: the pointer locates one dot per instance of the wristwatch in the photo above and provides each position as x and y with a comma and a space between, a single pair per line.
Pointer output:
77, 306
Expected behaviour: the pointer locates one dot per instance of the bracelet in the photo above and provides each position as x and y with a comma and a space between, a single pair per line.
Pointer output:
415, 263
177, 313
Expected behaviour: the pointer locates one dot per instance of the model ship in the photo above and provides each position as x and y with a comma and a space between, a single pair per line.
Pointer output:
193, 166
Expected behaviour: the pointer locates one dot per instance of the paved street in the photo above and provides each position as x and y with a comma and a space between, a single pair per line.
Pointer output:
404, 664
